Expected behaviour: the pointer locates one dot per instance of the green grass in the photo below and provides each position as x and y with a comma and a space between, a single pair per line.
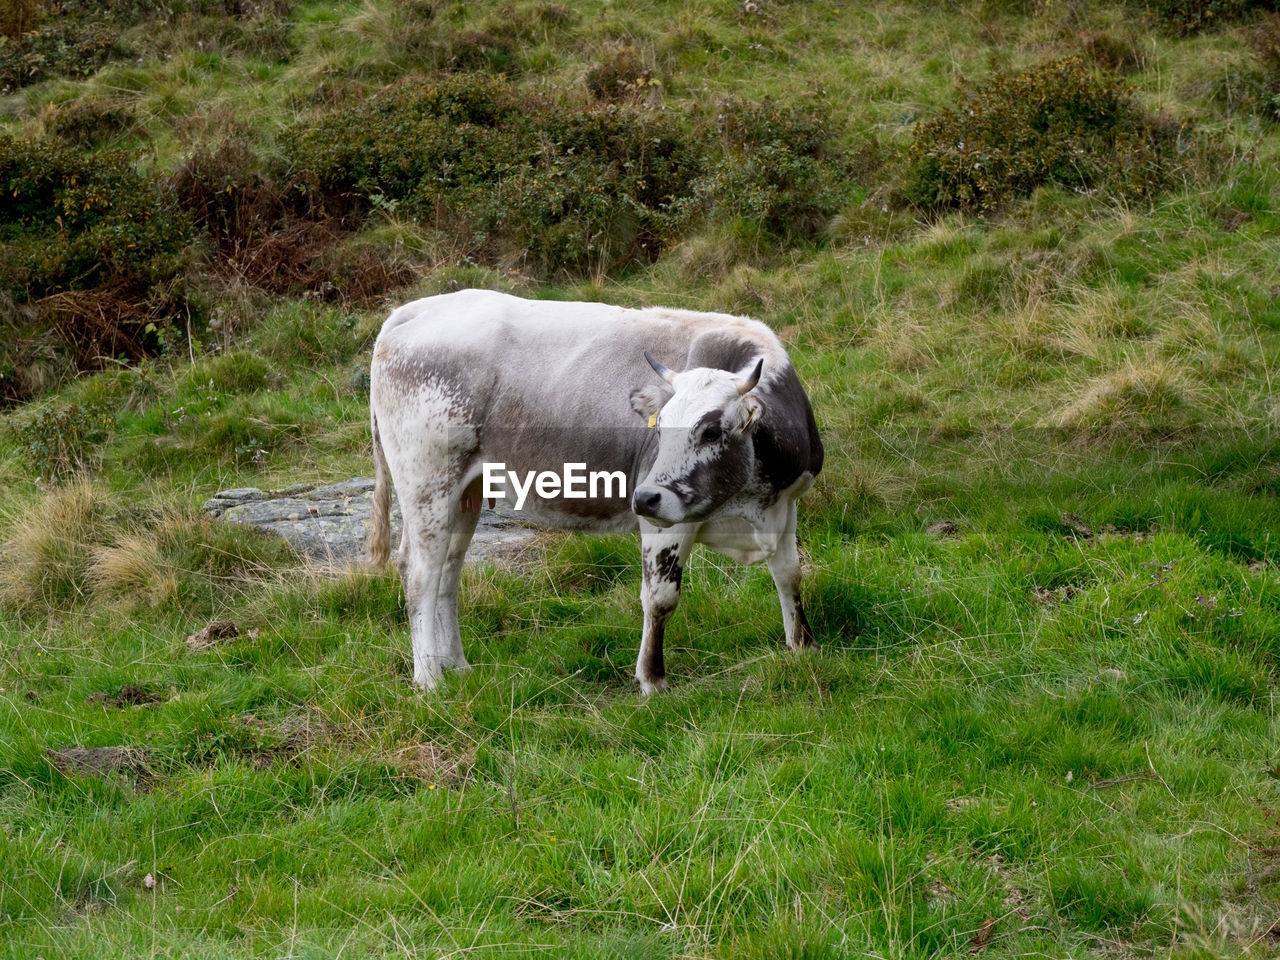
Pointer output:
1050, 733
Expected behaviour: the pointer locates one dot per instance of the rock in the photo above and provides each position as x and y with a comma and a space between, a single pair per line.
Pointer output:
330, 523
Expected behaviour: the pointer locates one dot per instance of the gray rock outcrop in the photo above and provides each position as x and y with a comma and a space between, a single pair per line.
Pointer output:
330, 524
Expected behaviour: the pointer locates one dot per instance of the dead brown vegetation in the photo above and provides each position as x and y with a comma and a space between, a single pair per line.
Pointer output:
282, 248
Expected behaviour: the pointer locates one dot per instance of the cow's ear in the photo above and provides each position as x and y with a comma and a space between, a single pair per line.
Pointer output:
750, 413
647, 401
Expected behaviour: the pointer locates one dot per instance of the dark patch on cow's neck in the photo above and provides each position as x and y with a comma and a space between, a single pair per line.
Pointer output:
787, 442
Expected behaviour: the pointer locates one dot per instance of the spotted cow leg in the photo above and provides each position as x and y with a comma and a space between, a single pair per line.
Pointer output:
662, 557
784, 566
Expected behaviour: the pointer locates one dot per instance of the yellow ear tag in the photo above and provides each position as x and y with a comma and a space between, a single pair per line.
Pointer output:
749, 419
653, 420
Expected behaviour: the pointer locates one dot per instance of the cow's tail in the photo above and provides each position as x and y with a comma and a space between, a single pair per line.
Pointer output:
380, 528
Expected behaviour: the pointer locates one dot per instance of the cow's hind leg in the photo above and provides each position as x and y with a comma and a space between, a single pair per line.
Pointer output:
424, 558
784, 567
463, 525
662, 557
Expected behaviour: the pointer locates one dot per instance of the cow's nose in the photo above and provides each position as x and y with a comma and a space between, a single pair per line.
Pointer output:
646, 501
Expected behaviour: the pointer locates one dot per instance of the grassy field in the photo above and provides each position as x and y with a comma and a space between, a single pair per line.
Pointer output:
1042, 562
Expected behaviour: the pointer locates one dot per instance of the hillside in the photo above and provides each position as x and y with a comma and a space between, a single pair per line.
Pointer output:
1026, 259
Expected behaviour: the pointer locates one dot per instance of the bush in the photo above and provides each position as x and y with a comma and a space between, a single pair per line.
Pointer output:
562, 188
776, 170
262, 241
1263, 86
622, 75
73, 221
64, 439
224, 193
1185, 17
90, 122
1055, 123
95, 243
18, 16
66, 48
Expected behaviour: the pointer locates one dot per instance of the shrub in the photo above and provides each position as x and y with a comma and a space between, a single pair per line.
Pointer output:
89, 122
96, 245
72, 220
225, 194
621, 75
64, 439
563, 188
67, 47
1055, 123
18, 16
1184, 17
261, 241
776, 170
1262, 86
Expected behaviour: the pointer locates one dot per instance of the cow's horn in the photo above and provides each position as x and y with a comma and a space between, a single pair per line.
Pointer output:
749, 384
662, 371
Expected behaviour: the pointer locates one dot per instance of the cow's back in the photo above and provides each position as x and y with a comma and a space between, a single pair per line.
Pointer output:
542, 382
537, 361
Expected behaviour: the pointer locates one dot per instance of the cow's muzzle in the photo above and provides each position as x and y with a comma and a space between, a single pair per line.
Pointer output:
647, 502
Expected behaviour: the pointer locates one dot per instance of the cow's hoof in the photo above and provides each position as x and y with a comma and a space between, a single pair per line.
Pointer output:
648, 687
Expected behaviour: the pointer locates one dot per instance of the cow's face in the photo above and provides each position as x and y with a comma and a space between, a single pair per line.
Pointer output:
705, 419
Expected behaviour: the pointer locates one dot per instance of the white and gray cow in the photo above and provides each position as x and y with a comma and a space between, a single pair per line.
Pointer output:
717, 453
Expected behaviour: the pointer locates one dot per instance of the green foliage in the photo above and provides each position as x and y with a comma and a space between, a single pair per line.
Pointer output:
87, 122
621, 75
564, 188
1184, 17
72, 220
1055, 123
61, 48
62, 439
17, 17
777, 170
95, 243
1259, 88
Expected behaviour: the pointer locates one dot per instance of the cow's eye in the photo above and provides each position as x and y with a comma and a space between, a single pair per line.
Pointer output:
711, 434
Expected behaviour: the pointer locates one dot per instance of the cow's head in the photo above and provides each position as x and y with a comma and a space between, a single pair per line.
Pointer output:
705, 455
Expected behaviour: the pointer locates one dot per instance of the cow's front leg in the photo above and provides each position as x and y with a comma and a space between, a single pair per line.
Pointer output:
662, 557
784, 566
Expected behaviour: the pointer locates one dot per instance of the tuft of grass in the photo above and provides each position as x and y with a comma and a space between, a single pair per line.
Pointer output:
1145, 400
48, 549
131, 570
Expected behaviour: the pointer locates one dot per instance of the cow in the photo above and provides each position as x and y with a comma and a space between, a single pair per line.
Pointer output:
715, 449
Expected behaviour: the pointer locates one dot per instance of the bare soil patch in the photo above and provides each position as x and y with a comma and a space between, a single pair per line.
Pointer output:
130, 695
103, 762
